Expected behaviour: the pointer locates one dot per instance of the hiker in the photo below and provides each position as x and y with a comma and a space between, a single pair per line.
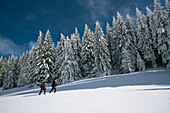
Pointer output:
43, 87
54, 84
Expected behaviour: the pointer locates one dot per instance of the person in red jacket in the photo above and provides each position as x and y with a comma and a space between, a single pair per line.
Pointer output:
43, 87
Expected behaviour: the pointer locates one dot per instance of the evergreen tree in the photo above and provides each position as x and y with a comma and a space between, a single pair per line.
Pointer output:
13, 72
151, 27
162, 33
126, 62
113, 43
69, 69
108, 36
24, 71
31, 65
87, 58
37, 62
101, 54
119, 36
60, 55
129, 52
76, 45
49, 56
144, 39
2, 71
167, 3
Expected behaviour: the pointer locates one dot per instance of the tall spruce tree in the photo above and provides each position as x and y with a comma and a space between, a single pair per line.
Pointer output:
2, 71
49, 56
69, 69
109, 34
162, 33
113, 43
119, 36
167, 3
37, 62
144, 39
12, 77
129, 52
76, 45
101, 54
87, 58
24, 72
151, 27
60, 55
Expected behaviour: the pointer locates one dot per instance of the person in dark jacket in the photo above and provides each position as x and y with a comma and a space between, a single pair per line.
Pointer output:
43, 87
54, 84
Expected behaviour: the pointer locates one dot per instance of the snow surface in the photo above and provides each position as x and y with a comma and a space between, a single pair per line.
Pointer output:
144, 92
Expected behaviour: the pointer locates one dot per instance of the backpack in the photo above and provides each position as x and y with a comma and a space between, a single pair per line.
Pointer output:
43, 85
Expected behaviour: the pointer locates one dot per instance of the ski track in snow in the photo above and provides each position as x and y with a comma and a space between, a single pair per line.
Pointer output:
140, 92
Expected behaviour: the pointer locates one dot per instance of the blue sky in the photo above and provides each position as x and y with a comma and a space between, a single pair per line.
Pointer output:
21, 20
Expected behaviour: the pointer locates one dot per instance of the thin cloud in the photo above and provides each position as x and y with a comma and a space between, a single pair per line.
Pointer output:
96, 9
31, 44
8, 47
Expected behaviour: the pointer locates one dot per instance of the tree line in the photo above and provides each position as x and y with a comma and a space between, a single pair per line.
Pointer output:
127, 47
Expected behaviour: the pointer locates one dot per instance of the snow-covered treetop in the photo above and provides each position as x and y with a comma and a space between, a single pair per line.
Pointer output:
98, 28
118, 15
138, 12
76, 30
86, 27
40, 33
149, 12
108, 28
128, 17
48, 34
62, 38
114, 20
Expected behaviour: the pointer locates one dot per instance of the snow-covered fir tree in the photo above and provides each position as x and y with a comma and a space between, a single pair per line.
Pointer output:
127, 65
151, 27
87, 55
13, 71
167, 6
2, 71
31, 65
109, 34
101, 54
37, 62
113, 43
49, 56
167, 3
60, 56
76, 45
144, 39
69, 70
119, 36
24, 71
162, 33
129, 48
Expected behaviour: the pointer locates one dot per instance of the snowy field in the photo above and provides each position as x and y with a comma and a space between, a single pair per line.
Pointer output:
145, 92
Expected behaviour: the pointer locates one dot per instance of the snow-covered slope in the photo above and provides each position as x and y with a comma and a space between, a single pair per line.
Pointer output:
145, 92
